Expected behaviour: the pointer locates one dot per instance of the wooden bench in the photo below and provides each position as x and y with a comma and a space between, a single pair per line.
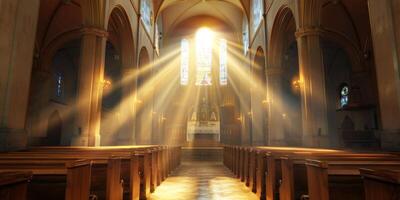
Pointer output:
109, 173
287, 175
271, 173
340, 179
66, 179
139, 167
381, 184
14, 185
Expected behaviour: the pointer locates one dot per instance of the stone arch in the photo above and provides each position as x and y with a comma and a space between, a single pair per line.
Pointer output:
283, 104
120, 34
144, 71
282, 35
259, 68
117, 98
258, 93
144, 100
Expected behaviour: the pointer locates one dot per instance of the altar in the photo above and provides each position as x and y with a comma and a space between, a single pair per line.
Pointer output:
203, 130
203, 123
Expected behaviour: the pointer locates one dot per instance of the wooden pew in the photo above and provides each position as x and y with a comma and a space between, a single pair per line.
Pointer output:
74, 177
108, 172
291, 180
150, 154
268, 162
330, 179
381, 184
258, 165
14, 185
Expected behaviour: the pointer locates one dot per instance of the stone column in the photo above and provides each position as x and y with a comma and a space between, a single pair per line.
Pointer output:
90, 86
18, 21
385, 30
312, 84
275, 113
312, 73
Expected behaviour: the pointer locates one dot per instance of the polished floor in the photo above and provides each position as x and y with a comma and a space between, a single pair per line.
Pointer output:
202, 181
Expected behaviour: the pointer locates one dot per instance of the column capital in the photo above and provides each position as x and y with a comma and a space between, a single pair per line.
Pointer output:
308, 31
94, 31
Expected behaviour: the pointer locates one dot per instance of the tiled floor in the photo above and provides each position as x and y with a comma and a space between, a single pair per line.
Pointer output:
202, 181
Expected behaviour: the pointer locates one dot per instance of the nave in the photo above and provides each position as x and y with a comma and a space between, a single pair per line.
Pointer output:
278, 99
202, 180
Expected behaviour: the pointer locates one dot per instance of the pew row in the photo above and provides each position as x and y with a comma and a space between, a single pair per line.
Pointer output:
14, 185
66, 179
133, 170
381, 184
269, 171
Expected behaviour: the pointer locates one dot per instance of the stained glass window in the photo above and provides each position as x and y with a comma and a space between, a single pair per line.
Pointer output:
203, 65
59, 84
245, 36
257, 12
344, 96
146, 11
204, 43
184, 62
223, 68
156, 38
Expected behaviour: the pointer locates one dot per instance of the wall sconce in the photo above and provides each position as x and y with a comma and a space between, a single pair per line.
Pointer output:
284, 115
296, 83
106, 83
265, 101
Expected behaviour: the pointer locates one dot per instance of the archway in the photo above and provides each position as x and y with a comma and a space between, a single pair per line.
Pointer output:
283, 82
119, 82
258, 95
55, 69
348, 61
144, 100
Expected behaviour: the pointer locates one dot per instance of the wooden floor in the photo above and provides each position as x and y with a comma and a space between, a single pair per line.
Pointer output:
202, 181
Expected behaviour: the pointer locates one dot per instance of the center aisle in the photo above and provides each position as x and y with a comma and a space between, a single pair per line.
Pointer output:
202, 181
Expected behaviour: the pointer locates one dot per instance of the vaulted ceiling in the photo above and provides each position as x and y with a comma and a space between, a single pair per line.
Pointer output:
176, 12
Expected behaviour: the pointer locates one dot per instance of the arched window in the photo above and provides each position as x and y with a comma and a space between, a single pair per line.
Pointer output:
146, 12
245, 35
344, 95
59, 84
204, 43
257, 12
184, 62
223, 67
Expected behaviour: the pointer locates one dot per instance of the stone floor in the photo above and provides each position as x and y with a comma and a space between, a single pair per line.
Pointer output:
202, 181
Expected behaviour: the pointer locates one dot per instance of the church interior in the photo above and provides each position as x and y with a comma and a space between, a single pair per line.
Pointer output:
200, 99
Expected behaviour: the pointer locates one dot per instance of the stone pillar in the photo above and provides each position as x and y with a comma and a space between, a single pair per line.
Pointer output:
385, 30
18, 20
312, 83
276, 135
90, 86
312, 73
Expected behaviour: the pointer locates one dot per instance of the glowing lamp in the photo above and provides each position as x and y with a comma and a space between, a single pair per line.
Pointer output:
106, 84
